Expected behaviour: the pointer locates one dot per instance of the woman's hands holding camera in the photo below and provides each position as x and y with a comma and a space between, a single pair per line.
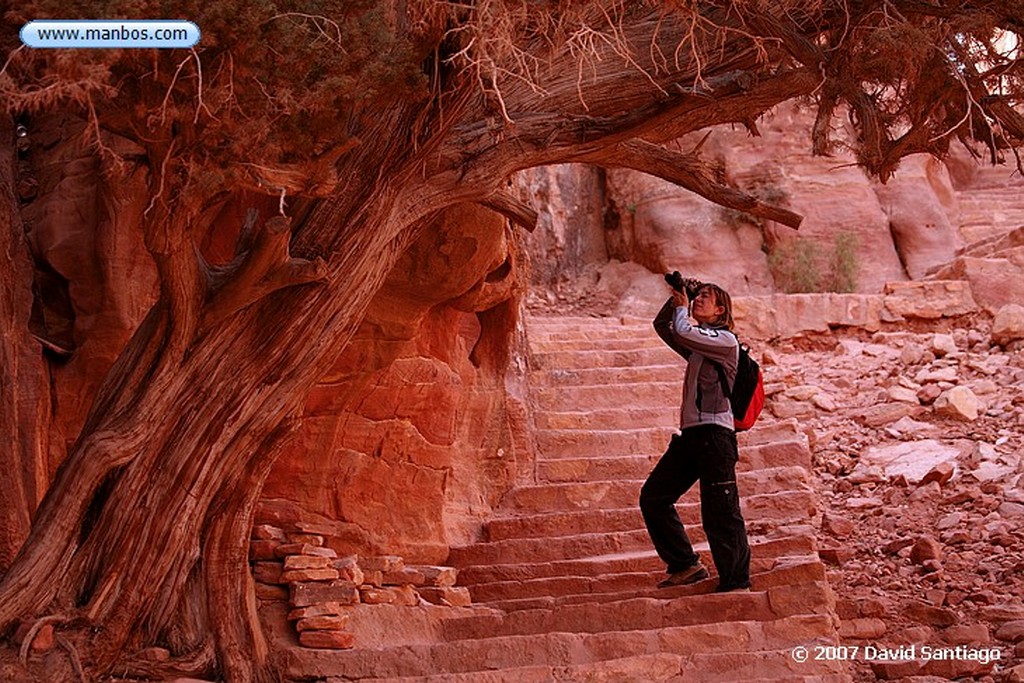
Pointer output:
679, 298
683, 289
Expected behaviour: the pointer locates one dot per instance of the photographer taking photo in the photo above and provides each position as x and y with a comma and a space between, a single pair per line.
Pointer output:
705, 449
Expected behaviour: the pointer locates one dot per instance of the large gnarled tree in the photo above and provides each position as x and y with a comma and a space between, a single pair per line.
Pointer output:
346, 125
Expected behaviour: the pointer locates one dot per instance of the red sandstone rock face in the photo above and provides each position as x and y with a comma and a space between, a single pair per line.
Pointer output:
93, 278
923, 214
906, 226
409, 437
570, 227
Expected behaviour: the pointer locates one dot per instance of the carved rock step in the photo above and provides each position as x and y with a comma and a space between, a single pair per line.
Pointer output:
643, 613
638, 394
611, 445
552, 592
565, 325
605, 443
621, 494
659, 668
641, 560
785, 507
594, 549
619, 417
708, 652
576, 360
609, 375
645, 339
564, 466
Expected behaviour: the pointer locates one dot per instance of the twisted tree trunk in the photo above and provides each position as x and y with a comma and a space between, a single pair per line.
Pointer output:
143, 535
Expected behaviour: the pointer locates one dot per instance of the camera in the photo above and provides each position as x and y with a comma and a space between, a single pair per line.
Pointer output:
677, 282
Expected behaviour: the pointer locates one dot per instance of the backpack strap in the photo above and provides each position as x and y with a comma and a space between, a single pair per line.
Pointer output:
723, 380
721, 369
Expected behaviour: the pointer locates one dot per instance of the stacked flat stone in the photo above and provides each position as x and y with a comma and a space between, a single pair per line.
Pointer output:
322, 589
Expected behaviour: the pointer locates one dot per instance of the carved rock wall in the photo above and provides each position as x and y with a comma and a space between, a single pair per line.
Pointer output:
410, 439
571, 223
93, 279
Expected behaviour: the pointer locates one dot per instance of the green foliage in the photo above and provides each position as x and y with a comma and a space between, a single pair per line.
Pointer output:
844, 265
795, 267
799, 266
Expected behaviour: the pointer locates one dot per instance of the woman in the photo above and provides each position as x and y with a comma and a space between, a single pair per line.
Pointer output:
704, 450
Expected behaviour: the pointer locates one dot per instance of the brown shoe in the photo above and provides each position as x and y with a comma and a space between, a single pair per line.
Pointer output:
689, 575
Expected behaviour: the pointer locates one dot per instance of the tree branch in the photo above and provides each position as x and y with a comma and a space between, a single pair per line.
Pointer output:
688, 171
263, 268
515, 210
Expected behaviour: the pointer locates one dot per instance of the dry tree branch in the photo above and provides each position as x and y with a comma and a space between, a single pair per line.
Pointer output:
163, 174
105, 152
515, 210
170, 89
76, 661
318, 21
200, 104
688, 171
26, 644
10, 58
264, 268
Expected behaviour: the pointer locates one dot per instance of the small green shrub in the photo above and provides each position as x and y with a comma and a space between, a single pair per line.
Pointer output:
794, 266
844, 266
797, 266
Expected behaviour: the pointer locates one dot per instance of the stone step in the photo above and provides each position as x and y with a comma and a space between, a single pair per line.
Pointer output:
610, 443
704, 652
625, 493
645, 613
673, 372
647, 339
636, 394
783, 507
555, 591
567, 469
624, 417
793, 542
568, 324
589, 555
657, 668
550, 549
576, 360
978, 233
992, 200
633, 456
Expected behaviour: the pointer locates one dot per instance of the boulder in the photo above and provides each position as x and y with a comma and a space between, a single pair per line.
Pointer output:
1008, 325
923, 213
912, 459
994, 282
959, 403
924, 549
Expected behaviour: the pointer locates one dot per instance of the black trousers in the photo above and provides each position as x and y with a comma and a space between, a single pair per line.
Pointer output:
708, 454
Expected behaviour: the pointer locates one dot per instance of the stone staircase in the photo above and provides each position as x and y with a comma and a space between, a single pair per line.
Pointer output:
563, 579
993, 205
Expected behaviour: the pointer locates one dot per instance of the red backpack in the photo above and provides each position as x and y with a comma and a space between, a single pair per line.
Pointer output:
747, 395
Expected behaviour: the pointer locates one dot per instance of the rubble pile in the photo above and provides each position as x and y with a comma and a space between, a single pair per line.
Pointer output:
918, 438
323, 589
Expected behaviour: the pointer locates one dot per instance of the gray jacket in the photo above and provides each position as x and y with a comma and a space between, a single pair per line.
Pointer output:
705, 349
